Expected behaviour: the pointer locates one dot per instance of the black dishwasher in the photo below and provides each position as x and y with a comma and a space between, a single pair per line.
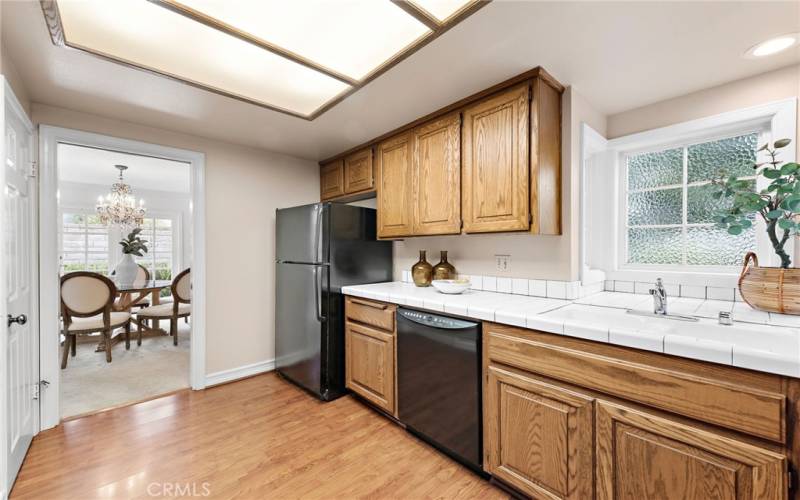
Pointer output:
439, 386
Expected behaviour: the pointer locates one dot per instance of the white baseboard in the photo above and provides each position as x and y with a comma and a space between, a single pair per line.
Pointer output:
232, 374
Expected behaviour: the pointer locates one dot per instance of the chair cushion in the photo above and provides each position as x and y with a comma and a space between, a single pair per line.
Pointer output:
163, 311
96, 322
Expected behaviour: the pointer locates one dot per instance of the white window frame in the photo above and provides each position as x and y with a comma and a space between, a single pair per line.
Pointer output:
759, 227
69, 209
777, 119
116, 234
177, 238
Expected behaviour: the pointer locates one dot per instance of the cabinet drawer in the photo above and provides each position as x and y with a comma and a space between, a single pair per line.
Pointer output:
717, 395
376, 314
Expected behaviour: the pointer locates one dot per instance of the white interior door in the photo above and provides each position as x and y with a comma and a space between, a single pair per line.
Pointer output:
19, 275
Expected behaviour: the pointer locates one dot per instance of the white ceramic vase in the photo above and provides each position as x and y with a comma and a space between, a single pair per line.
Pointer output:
126, 270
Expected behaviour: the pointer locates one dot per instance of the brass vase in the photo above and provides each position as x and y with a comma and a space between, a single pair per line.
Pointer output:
444, 270
422, 271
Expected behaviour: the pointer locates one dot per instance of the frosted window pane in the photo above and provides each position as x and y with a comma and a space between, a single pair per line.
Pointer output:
736, 155
702, 206
710, 245
661, 168
663, 206
654, 245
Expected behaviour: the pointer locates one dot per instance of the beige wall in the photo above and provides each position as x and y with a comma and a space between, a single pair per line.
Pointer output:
544, 257
760, 89
244, 186
9, 71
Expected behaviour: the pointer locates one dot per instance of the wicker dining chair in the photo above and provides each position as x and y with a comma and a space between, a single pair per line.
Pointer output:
87, 307
180, 307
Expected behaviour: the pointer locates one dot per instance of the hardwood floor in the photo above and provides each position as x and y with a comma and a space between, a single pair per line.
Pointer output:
260, 438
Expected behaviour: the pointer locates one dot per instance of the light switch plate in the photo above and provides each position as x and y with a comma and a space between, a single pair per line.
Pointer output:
503, 263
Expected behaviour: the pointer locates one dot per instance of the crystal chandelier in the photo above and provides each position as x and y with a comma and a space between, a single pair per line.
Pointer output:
119, 207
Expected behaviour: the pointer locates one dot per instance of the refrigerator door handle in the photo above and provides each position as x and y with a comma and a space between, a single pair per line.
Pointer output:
317, 289
318, 236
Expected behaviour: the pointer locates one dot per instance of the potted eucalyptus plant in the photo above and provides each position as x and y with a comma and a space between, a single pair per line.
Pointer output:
775, 289
127, 269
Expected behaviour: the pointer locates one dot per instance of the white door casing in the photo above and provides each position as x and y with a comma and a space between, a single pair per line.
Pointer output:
49, 138
19, 289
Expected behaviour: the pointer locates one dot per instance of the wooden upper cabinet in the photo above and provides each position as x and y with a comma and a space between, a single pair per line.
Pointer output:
646, 456
495, 168
393, 158
331, 182
437, 176
538, 436
545, 158
358, 174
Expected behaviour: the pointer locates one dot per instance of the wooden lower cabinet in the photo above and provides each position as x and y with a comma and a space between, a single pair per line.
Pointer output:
369, 364
555, 427
538, 436
643, 456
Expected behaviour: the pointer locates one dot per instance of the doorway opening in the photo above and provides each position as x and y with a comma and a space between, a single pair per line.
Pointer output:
160, 194
128, 214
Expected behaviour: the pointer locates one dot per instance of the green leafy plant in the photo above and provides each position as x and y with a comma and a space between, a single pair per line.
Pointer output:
133, 244
778, 204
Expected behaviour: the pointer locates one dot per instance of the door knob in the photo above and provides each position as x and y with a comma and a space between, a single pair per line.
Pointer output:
20, 320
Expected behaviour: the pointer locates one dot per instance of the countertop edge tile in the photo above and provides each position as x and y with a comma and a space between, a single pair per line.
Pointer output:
528, 311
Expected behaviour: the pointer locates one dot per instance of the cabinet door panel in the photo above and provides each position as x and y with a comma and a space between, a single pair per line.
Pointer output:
358, 172
369, 364
394, 174
640, 455
495, 170
331, 182
437, 176
538, 436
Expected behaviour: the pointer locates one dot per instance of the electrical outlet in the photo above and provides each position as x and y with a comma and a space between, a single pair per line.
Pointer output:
503, 262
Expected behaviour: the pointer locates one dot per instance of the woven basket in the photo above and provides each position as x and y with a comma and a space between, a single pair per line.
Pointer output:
772, 289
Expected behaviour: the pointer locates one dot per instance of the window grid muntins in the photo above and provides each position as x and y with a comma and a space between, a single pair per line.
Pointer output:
84, 243
664, 227
158, 260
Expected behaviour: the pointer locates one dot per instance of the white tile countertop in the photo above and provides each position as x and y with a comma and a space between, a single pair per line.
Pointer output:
758, 340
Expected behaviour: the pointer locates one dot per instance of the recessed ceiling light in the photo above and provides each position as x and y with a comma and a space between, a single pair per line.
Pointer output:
773, 45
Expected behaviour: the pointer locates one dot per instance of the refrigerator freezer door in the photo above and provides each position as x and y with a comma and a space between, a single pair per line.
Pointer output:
300, 325
301, 235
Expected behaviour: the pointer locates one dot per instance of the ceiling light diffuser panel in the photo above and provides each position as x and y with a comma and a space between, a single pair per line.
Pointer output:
299, 57
150, 36
351, 37
442, 9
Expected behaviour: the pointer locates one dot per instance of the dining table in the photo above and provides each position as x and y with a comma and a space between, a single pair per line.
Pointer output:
129, 295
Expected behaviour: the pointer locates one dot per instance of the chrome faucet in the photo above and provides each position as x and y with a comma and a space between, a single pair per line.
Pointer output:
659, 294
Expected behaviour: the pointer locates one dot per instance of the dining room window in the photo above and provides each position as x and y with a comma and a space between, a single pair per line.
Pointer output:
84, 243
159, 233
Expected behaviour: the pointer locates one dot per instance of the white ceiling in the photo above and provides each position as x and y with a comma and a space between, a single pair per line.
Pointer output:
618, 55
96, 166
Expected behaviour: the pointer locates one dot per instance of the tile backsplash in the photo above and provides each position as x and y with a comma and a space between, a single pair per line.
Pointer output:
675, 290
574, 289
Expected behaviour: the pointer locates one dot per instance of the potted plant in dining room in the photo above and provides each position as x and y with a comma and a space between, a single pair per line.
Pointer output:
774, 289
127, 269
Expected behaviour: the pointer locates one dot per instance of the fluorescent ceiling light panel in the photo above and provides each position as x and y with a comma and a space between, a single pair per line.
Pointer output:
350, 37
442, 9
152, 37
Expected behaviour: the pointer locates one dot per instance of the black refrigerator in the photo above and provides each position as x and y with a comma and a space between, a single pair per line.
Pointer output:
321, 248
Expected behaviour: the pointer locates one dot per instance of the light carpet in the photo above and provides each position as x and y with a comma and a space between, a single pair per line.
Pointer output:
156, 367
